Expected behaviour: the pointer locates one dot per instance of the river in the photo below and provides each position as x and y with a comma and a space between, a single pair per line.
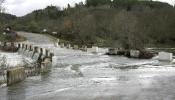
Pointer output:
77, 75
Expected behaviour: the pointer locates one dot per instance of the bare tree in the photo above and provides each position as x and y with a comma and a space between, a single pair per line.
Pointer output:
125, 25
1, 7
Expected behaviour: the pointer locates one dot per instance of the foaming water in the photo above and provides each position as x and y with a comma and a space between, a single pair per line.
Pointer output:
77, 75
76, 71
12, 59
108, 79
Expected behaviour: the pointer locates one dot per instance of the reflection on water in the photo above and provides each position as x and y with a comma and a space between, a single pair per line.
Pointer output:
16, 92
96, 77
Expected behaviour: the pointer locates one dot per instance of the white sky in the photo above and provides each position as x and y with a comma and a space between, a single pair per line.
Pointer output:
22, 7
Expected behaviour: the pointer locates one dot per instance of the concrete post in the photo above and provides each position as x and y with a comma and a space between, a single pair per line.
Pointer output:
57, 43
13, 46
15, 75
62, 45
135, 53
41, 51
51, 56
44, 51
26, 46
46, 65
95, 49
75, 47
84, 48
113, 51
23, 46
30, 48
35, 49
68, 46
19, 46
165, 56
4, 44
47, 53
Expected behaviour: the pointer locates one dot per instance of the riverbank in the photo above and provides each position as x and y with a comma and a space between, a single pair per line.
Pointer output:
17, 39
7, 45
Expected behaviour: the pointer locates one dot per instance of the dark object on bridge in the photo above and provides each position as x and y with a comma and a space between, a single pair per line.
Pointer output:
145, 54
116, 51
10, 35
113, 51
7, 29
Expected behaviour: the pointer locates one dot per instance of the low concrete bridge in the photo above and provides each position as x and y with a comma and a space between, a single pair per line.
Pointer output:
38, 51
38, 60
35, 53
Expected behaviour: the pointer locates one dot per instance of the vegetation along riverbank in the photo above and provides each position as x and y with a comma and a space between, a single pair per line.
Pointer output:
130, 24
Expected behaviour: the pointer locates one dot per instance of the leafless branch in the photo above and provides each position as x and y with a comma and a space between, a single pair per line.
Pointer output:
1, 2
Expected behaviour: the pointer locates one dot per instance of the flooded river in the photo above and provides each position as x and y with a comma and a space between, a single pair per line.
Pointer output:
77, 75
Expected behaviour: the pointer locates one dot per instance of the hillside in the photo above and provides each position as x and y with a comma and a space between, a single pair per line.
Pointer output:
127, 23
6, 19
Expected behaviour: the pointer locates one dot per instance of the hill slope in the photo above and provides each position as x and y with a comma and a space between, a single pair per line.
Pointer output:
127, 23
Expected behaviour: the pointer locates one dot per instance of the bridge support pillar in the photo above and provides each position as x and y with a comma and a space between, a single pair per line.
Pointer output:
15, 75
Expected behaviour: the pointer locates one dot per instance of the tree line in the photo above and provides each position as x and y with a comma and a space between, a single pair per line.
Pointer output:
131, 24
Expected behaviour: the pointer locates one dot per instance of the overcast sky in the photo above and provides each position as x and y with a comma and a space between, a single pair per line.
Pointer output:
22, 7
